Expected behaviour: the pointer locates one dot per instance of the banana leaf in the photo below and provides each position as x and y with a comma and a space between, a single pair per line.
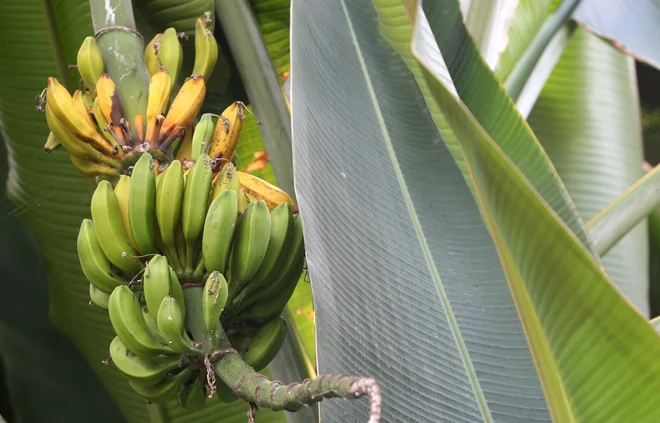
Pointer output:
589, 108
404, 270
630, 26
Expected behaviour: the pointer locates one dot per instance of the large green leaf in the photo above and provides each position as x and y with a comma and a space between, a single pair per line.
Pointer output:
274, 23
588, 121
631, 25
42, 369
407, 285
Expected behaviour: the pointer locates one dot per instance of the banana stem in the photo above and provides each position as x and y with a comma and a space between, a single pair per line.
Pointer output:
256, 388
122, 48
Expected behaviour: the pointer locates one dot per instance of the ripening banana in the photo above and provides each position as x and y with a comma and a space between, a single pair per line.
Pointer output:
138, 121
151, 55
206, 51
123, 192
83, 105
142, 371
108, 96
90, 63
170, 54
265, 345
184, 147
219, 231
250, 245
227, 132
158, 284
193, 396
98, 297
258, 189
51, 143
110, 230
184, 107
150, 321
228, 179
126, 317
94, 263
281, 235
61, 103
73, 144
142, 205
272, 295
171, 324
195, 201
160, 88
166, 389
102, 124
89, 168
214, 299
201, 141
169, 197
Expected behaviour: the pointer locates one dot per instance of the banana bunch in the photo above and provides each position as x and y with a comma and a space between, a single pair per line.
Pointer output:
185, 259
91, 126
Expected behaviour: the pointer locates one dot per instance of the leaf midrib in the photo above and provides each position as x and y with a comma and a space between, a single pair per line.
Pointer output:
453, 324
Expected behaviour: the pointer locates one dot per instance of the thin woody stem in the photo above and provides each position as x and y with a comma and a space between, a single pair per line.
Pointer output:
257, 389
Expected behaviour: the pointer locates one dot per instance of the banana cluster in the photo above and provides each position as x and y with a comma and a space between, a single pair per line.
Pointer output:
156, 238
102, 140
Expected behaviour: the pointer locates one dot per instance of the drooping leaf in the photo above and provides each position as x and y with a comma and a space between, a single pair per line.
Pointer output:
274, 23
588, 120
631, 26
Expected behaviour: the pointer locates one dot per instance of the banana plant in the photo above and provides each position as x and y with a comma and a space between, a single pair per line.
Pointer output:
464, 272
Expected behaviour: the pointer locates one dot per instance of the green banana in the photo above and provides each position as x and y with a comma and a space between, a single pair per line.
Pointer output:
90, 63
265, 345
169, 196
123, 193
98, 297
142, 371
142, 203
228, 179
167, 388
219, 231
94, 263
239, 341
126, 317
201, 141
158, 283
171, 323
281, 234
177, 291
110, 231
193, 396
273, 291
150, 321
250, 245
214, 299
170, 53
195, 200
206, 51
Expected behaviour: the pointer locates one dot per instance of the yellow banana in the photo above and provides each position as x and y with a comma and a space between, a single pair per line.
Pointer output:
184, 149
228, 179
184, 108
61, 103
90, 63
106, 92
139, 127
206, 50
258, 189
51, 143
89, 168
79, 101
227, 132
75, 146
170, 53
151, 55
102, 123
159, 95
